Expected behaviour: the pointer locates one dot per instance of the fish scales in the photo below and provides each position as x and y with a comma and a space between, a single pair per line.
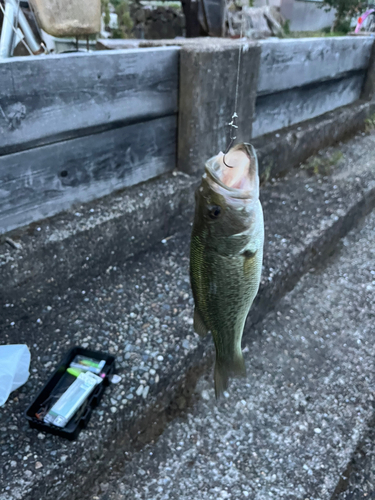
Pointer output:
226, 256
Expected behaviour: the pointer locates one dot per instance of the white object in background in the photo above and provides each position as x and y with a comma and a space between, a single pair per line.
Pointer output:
67, 17
49, 41
14, 368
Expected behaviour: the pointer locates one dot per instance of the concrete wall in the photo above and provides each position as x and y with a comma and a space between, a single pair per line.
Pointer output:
271, 3
303, 15
306, 15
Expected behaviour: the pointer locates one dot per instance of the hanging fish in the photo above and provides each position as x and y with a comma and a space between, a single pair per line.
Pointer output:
226, 255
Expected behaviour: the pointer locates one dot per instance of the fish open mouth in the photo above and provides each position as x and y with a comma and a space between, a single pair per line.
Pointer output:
237, 171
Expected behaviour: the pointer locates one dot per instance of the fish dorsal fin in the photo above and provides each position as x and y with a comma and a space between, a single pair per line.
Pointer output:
199, 326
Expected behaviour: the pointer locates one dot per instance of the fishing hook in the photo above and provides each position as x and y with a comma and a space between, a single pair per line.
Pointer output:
232, 138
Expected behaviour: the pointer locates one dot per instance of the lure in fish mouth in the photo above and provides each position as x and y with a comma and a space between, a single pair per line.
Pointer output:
226, 255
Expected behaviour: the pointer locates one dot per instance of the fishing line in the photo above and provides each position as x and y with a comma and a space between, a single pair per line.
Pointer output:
232, 124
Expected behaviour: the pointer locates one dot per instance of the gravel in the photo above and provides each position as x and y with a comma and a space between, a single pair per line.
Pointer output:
123, 312
359, 483
289, 430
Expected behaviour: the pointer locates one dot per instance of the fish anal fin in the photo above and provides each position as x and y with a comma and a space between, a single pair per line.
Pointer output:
199, 326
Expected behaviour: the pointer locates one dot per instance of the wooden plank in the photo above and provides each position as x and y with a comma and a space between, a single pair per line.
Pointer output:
277, 111
207, 100
117, 43
43, 99
43, 181
290, 63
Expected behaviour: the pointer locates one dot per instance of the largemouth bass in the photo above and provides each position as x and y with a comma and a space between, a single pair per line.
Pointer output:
226, 255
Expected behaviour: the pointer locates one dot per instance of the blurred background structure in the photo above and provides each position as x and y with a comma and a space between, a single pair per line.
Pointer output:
159, 19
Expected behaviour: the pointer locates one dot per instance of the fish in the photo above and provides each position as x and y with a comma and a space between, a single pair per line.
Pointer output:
226, 255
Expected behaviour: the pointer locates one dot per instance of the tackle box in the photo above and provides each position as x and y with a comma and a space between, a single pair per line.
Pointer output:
59, 381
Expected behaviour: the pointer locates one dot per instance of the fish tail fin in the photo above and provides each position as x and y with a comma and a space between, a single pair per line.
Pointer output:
226, 368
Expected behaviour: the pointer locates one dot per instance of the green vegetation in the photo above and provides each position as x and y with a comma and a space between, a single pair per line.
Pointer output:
266, 174
105, 11
346, 10
122, 9
125, 23
286, 28
370, 123
318, 165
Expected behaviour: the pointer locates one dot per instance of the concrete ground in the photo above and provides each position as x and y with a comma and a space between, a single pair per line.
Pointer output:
360, 477
291, 428
140, 310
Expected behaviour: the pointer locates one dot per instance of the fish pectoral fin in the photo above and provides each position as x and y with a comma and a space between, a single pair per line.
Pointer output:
248, 254
199, 326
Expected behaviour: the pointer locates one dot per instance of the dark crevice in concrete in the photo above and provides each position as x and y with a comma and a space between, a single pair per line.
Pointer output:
326, 82
77, 133
360, 472
284, 149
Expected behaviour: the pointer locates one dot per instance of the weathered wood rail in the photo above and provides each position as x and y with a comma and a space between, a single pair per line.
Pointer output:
62, 96
76, 127
304, 78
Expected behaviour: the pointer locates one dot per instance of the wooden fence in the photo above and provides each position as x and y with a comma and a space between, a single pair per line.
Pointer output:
300, 79
76, 127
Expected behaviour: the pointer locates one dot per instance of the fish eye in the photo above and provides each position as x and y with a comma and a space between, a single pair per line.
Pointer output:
214, 211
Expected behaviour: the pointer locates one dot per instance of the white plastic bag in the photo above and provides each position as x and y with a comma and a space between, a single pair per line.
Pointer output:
14, 368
